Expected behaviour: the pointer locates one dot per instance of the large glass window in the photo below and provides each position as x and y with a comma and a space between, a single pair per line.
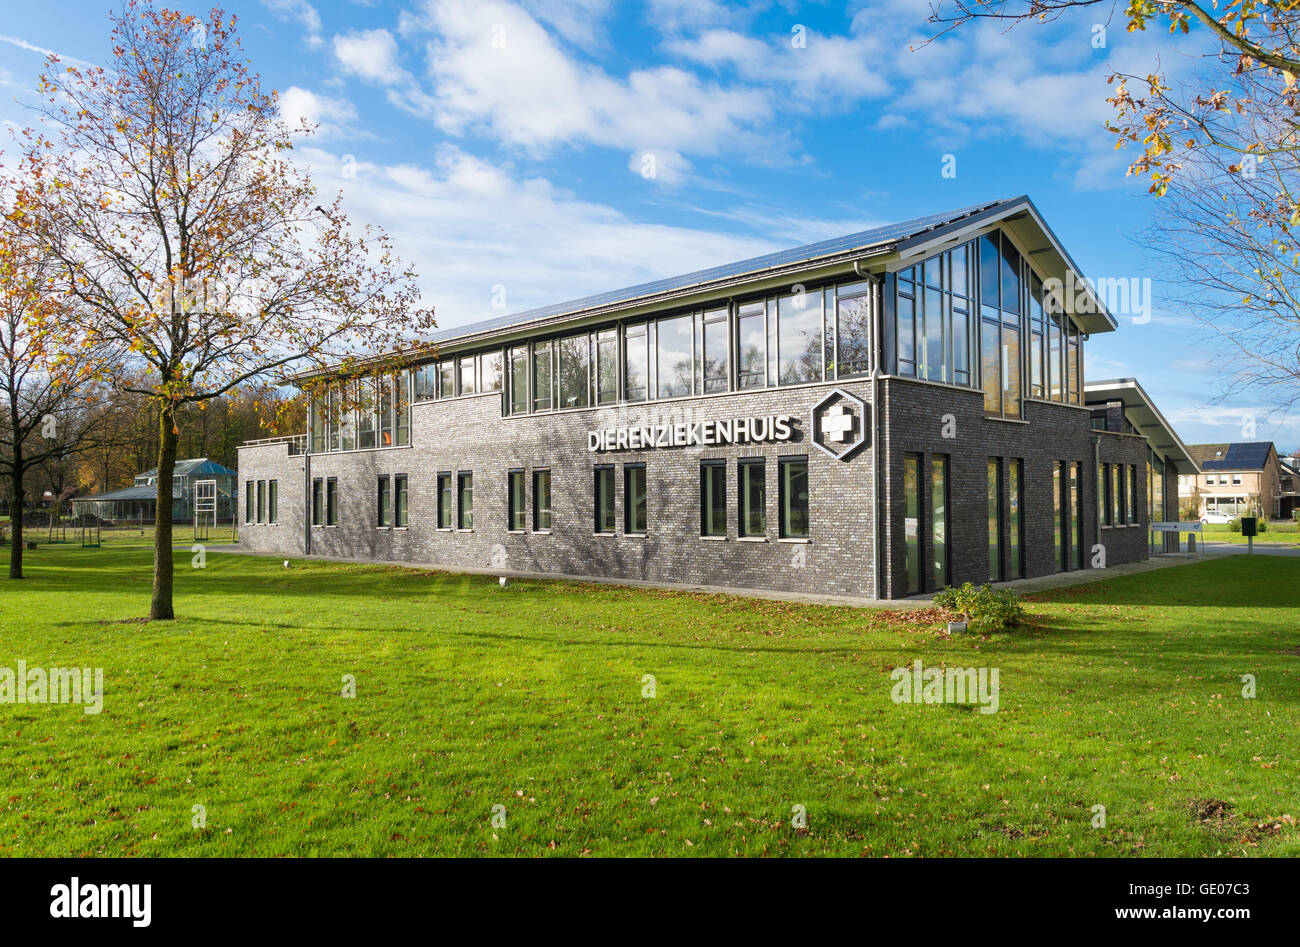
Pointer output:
634, 499
753, 496
1074, 367
541, 500
995, 519
515, 501
674, 345
853, 336
905, 307
793, 497
991, 365
447, 379
446, 501
606, 366
1011, 371
542, 376
604, 499
751, 345
1015, 565
465, 500
424, 380
713, 498
635, 363
400, 500
799, 337
939, 520
385, 403
317, 422
519, 380
717, 350
489, 371
912, 522
466, 371
575, 368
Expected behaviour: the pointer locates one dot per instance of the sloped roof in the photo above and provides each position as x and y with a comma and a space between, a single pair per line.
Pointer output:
195, 465
917, 235
1248, 455
1146, 416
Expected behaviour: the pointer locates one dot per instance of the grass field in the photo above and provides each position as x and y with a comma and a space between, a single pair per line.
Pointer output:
1285, 534
1127, 694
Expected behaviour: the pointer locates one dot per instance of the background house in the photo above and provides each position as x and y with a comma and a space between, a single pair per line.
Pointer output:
137, 503
1237, 479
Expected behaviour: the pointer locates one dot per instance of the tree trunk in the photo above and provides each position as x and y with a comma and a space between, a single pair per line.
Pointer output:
16, 524
163, 565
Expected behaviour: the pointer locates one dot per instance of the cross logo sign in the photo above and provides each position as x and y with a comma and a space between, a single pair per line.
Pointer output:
837, 423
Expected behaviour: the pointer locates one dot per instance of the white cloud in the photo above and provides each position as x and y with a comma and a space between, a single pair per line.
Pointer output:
495, 70
371, 55
332, 115
468, 226
300, 12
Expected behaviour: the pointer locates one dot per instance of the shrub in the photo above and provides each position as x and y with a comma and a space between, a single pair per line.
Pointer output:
986, 610
1234, 526
1262, 525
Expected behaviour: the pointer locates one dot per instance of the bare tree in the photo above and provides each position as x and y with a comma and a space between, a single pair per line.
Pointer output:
163, 189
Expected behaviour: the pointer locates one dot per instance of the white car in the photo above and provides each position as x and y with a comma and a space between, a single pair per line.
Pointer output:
1215, 516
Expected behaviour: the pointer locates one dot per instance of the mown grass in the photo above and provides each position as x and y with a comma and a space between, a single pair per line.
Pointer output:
1279, 534
1126, 693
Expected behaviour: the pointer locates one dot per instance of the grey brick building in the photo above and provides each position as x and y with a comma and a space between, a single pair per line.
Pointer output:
878, 415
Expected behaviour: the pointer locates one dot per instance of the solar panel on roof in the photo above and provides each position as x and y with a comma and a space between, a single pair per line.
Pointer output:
866, 238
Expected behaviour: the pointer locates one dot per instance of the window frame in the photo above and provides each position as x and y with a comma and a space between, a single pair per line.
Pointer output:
785, 510
630, 508
710, 470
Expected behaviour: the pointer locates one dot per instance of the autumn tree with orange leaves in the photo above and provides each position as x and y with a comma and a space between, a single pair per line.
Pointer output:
162, 188
1220, 148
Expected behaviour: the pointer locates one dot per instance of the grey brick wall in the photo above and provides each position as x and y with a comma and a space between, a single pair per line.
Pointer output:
469, 434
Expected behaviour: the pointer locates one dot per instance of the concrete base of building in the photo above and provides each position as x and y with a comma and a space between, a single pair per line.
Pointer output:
1021, 586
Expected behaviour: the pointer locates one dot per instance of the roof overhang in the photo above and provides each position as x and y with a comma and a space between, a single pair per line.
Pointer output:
1144, 414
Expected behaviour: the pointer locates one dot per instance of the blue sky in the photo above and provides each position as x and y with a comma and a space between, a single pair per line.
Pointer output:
532, 151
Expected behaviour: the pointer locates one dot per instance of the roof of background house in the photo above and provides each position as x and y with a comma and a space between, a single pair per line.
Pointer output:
1249, 455
1146, 416
195, 465
919, 233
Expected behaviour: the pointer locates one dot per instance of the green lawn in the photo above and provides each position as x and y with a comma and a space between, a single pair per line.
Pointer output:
1287, 534
468, 696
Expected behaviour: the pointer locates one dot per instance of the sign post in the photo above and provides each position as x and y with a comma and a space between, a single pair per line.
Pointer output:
1176, 527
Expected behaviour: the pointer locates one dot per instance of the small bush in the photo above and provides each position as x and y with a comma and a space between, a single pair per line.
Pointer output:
1234, 526
986, 610
1261, 526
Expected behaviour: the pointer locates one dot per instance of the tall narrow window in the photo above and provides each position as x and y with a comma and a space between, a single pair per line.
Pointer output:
1015, 478
465, 500
713, 498
317, 502
604, 499
317, 422
402, 409
1107, 491
272, 501
1011, 371
489, 371
399, 500
675, 343
853, 338
515, 501
636, 368
519, 380
799, 337
1117, 494
991, 365
575, 370
446, 501
542, 376
939, 520
634, 499
344, 423
1132, 493
447, 379
995, 519
385, 504
331, 502
793, 497
905, 322
250, 502
1061, 543
1074, 367
753, 496
261, 501
1076, 512
541, 500
467, 373
606, 366
912, 522
385, 411
751, 345
366, 414
717, 350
